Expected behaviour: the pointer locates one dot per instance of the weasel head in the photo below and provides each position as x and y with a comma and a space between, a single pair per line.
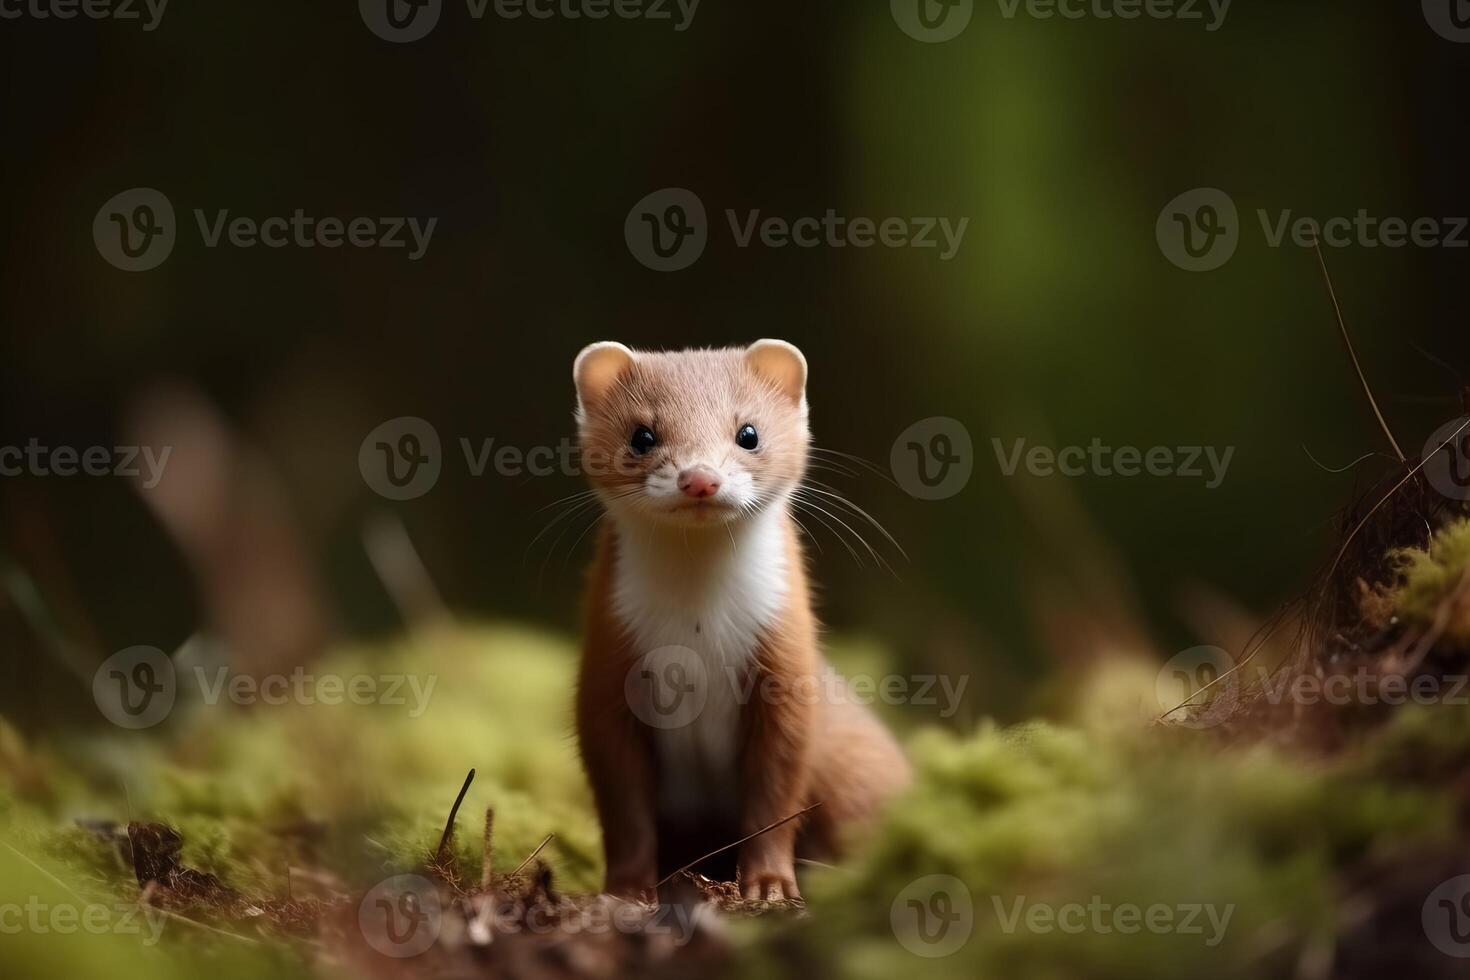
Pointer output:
697, 438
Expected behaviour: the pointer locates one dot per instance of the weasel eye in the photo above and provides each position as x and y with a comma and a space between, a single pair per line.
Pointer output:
746, 438
643, 440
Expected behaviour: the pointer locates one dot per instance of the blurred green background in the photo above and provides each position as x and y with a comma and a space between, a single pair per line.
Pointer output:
1060, 319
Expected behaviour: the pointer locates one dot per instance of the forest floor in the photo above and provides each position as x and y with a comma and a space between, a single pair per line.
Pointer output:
1272, 829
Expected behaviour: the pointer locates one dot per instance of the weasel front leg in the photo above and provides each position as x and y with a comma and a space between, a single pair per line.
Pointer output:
619, 763
774, 782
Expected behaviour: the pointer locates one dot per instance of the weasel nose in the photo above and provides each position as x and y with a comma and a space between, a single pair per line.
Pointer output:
699, 481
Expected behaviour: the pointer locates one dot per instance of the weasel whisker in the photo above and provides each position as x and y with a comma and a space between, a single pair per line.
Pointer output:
801, 504
839, 499
871, 550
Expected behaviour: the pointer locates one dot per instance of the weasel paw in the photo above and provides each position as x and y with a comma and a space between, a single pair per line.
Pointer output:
769, 886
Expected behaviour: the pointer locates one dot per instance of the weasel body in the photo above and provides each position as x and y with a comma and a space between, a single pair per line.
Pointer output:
705, 711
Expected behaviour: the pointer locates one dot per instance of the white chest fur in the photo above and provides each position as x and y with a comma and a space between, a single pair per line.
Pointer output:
703, 599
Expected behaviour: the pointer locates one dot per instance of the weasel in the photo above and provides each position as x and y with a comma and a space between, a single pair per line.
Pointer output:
699, 590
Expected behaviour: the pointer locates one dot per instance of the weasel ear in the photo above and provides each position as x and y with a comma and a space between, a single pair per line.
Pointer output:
598, 368
781, 364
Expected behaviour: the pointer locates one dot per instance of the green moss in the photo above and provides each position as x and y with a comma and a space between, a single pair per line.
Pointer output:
1430, 575
1106, 812
1051, 818
1429, 743
251, 789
